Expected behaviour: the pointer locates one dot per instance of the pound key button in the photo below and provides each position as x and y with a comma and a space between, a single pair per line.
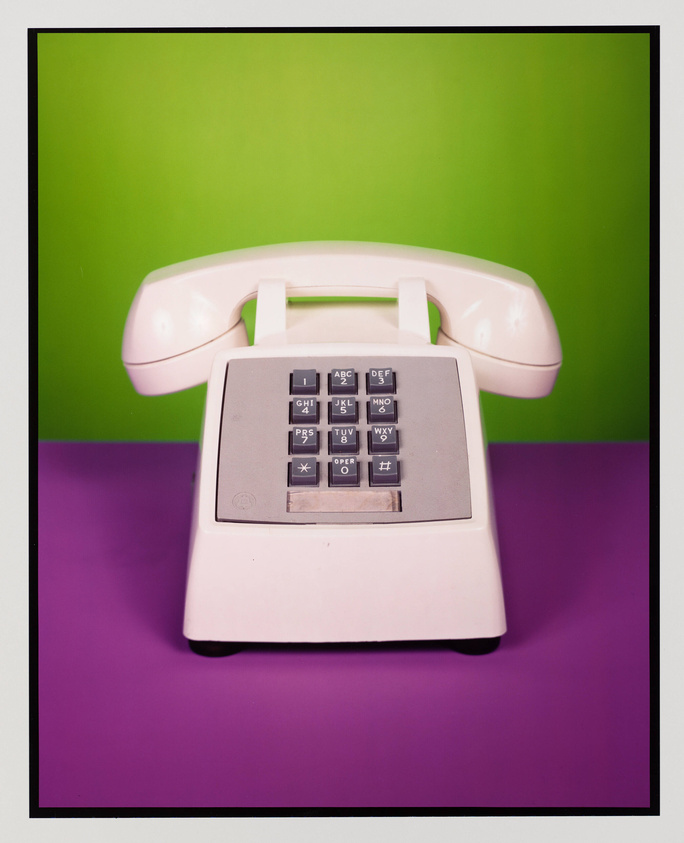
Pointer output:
384, 471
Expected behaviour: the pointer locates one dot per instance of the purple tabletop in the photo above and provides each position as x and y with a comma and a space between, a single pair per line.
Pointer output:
557, 717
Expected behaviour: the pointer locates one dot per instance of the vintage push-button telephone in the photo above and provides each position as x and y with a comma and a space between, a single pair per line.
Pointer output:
342, 491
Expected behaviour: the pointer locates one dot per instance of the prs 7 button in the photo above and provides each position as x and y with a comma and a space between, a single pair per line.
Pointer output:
380, 382
304, 440
303, 471
382, 409
342, 382
384, 471
383, 439
304, 410
304, 382
343, 410
343, 440
344, 471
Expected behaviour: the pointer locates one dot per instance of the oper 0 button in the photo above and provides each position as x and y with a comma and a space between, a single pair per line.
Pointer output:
343, 410
304, 440
384, 471
383, 439
343, 440
342, 382
344, 471
304, 382
303, 471
380, 382
382, 409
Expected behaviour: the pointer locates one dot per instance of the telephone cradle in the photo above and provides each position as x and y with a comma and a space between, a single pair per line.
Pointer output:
342, 491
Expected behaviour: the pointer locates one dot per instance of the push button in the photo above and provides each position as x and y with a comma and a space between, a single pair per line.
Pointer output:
382, 409
383, 439
344, 471
343, 440
343, 382
304, 440
303, 410
384, 471
380, 382
303, 471
343, 410
304, 382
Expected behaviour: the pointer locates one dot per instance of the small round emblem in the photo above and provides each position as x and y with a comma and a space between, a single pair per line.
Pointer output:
244, 500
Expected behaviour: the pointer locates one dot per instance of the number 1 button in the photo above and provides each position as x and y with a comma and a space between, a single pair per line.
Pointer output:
304, 382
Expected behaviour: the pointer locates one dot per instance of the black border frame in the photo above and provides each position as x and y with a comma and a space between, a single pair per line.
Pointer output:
35, 810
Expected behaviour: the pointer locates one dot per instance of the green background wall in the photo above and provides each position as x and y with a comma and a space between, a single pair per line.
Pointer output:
531, 150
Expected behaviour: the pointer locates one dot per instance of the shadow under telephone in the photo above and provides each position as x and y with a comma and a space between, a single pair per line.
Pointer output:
342, 491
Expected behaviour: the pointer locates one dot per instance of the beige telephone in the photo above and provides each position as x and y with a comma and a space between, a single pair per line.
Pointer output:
342, 493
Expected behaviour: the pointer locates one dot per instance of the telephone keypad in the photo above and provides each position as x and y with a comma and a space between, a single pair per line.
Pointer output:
382, 463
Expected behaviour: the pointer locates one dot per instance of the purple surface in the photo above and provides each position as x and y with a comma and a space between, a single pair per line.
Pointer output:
557, 717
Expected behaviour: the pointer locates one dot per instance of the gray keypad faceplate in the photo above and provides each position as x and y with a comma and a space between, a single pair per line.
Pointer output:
428, 480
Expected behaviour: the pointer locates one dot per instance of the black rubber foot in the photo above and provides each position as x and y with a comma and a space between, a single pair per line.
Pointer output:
214, 649
475, 646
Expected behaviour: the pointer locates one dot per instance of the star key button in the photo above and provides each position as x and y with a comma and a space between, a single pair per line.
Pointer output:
303, 471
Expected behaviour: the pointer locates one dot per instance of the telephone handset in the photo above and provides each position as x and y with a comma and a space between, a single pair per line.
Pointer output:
342, 491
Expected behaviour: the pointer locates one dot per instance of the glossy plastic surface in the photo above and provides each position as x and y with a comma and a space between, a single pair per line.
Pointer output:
488, 308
